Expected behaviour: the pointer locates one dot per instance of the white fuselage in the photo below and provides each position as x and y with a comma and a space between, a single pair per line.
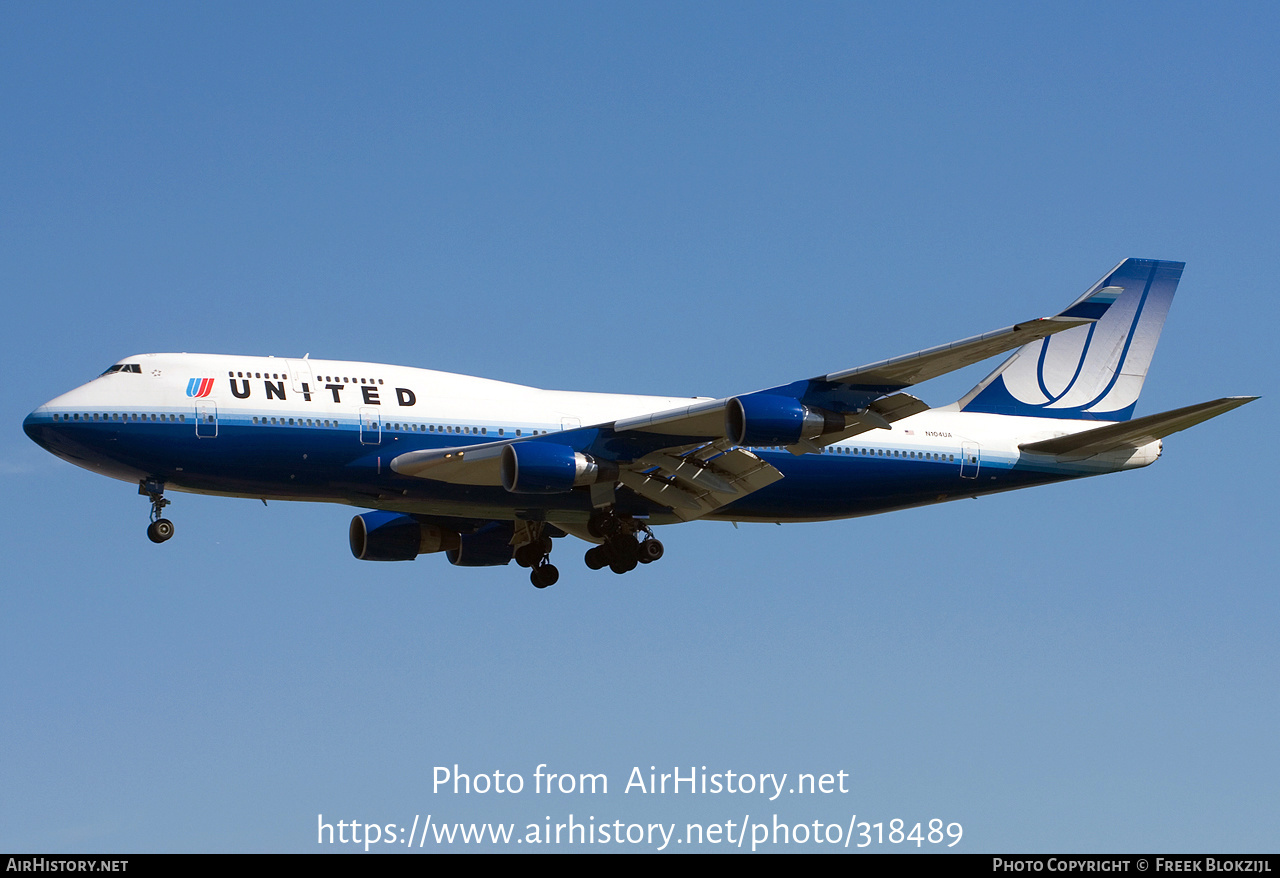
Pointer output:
326, 430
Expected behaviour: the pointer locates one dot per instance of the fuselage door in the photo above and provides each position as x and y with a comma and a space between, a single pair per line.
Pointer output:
970, 460
300, 377
370, 426
206, 419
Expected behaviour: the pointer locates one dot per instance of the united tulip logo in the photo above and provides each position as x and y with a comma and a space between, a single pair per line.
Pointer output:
199, 387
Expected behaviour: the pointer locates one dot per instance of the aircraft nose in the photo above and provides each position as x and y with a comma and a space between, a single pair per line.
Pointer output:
35, 424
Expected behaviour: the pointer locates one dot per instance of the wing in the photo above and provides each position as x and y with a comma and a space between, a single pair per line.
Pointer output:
697, 458
863, 391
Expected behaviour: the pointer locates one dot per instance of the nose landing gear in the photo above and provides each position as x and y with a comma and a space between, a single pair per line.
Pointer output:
160, 529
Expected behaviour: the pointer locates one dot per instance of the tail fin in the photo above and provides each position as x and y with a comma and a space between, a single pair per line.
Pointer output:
1092, 372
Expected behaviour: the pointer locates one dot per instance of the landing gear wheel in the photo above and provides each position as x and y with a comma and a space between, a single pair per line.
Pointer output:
650, 551
621, 551
601, 524
543, 576
624, 549
160, 530
529, 555
597, 557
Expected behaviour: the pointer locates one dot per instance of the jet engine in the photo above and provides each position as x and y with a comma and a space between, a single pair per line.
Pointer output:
546, 468
490, 546
391, 536
765, 419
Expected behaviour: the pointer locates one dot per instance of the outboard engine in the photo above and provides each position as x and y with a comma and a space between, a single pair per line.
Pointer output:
764, 419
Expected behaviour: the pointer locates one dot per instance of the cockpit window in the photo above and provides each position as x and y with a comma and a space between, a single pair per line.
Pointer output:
124, 367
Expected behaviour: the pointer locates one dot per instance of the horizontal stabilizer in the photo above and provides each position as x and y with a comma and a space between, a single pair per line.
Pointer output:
1135, 433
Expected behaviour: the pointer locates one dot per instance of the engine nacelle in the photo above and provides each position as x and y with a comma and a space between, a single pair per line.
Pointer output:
547, 468
490, 546
764, 419
391, 536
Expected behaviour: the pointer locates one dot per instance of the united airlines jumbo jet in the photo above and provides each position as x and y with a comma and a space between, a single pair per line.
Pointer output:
487, 472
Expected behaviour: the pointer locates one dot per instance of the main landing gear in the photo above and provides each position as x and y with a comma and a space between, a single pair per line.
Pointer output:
536, 555
626, 544
160, 528
622, 550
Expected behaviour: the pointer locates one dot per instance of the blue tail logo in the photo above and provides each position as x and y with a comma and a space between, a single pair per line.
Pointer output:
1092, 372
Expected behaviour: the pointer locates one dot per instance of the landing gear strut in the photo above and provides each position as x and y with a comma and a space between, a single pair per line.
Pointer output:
623, 549
160, 528
535, 554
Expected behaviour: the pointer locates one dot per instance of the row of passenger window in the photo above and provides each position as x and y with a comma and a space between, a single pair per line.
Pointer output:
446, 428
882, 452
449, 428
877, 452
118, 416
138, 417
440, 428
394, 427
279, 375
272, 375
299, 422
328, 379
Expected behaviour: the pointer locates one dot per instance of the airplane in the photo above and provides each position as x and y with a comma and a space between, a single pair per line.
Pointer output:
488, 472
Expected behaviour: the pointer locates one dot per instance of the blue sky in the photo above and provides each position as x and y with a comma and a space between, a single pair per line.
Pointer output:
651, 199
